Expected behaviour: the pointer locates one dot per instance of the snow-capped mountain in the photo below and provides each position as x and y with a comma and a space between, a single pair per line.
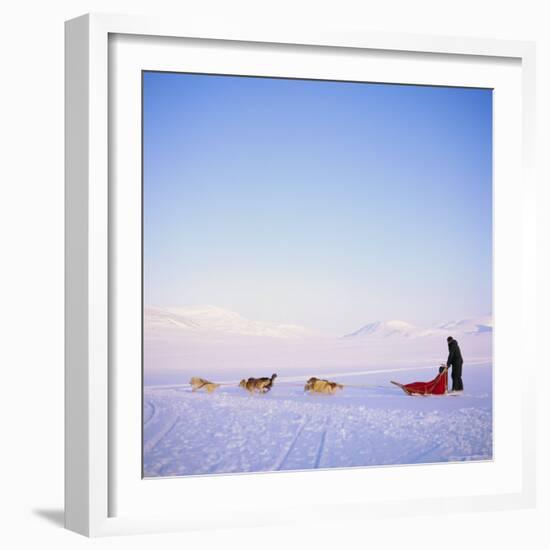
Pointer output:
478, 325
385, 329
393, 329
215, 319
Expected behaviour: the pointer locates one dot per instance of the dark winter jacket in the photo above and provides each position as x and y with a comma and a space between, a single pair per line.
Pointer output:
455, 357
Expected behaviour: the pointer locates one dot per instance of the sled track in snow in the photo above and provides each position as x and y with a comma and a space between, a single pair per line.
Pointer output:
415, 459
281, 462
321, 447
318, 455
153, 408
155, 440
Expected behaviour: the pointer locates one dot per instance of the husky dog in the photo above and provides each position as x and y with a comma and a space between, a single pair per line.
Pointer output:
317, 385
261, 385
199, 383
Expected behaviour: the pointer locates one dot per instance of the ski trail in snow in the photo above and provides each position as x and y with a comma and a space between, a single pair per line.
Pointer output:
151, 405
415, 459
160, 435
281, 460
321, 447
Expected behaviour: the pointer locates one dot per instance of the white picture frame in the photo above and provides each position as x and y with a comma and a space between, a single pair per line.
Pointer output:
96, 452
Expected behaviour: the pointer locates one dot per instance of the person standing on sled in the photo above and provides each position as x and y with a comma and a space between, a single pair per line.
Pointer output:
455, 360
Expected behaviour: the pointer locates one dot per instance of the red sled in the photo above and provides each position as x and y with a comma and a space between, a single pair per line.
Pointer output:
437, 386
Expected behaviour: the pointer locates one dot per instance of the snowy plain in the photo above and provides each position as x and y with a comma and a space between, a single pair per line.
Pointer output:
368, 423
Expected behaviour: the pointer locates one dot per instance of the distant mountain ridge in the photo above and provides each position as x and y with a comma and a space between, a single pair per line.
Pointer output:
384, 329
478, 325
389, 329
216, 319
207, 318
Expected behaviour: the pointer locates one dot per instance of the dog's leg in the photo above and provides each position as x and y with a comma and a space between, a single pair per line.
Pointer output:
202, 385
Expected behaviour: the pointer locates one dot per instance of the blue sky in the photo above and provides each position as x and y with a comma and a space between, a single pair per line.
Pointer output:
325, 204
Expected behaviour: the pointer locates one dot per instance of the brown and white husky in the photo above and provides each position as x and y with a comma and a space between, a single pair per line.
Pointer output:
200, 383
261, 385
318, 385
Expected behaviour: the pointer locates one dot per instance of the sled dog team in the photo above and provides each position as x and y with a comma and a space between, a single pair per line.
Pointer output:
264, 384
436, 386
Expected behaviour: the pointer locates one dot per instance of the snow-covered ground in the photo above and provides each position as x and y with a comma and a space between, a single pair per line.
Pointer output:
370, 422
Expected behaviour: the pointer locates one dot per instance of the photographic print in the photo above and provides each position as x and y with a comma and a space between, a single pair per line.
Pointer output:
317, 274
